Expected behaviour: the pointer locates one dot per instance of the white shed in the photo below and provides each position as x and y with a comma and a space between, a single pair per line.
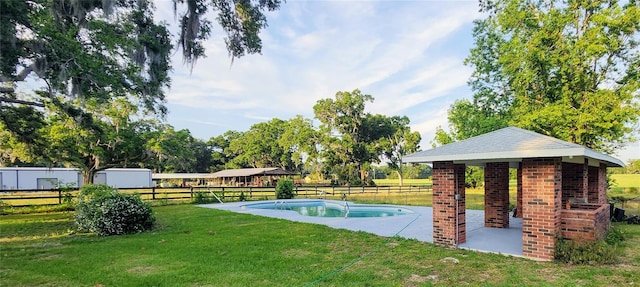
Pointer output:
124, 177
31, 178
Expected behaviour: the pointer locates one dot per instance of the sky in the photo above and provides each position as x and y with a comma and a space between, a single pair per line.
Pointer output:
409, 55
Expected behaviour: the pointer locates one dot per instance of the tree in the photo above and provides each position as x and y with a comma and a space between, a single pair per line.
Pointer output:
342, 121
399, 143
570, 70
171, 150
92, 53
221, 155
259, 147
111, 139
352, 139
301, 139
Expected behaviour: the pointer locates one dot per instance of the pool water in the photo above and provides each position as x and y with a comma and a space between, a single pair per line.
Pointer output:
333, 209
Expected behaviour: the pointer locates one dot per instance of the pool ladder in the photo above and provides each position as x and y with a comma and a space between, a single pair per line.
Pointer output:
283, 205
346, 209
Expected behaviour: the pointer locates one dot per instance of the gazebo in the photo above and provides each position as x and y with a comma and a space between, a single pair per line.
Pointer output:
561, 188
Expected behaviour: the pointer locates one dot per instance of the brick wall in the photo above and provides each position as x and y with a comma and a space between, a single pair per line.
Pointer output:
445, 177
572, 182
585, 224
496, 195
541, 198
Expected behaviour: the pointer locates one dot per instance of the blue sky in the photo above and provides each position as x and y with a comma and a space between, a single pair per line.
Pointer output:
409, 55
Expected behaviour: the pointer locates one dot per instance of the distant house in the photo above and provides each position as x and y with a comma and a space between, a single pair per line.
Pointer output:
250, 176
229, 177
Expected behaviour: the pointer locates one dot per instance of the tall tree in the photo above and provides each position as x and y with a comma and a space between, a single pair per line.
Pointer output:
568, 69
259, 147
301, 139
398, 143
91, 53
171, 150
353, 139
221, 154
342, 121
105, 137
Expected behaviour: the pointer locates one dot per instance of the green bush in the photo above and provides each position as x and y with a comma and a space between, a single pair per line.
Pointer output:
102, 209
284, 189
586, 253
201, 197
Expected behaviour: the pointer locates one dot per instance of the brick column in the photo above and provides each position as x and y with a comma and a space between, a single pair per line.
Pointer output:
496, 195
445, 177
592, 194
585, 179
519, 191
602, 184
542, 199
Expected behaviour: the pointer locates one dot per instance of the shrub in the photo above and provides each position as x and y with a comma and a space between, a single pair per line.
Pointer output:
284, 189
201, 197
615, 235
102, 209
598, 252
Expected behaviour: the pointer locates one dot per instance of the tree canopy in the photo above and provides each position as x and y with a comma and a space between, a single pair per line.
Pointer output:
567, 69
104, 67
351, 139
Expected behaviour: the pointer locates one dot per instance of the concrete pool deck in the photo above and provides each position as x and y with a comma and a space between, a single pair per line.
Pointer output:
417, 226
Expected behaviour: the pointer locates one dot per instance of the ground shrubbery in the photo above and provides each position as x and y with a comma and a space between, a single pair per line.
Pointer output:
605, 251
102, 209
284, 189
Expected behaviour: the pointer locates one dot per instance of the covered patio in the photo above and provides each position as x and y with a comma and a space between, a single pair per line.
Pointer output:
561, 191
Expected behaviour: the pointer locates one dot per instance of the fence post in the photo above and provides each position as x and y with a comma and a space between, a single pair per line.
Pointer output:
153, 192
191, 191
59, 196
316, 190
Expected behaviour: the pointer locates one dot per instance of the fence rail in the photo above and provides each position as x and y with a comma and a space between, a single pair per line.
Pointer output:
18, 198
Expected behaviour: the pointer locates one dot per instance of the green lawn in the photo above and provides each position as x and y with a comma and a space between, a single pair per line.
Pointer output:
194, 246
626, 180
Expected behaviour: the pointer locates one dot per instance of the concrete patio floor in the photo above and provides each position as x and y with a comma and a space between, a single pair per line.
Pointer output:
417, 226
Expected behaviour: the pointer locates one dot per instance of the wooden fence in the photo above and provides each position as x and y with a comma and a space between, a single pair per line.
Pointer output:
19, 198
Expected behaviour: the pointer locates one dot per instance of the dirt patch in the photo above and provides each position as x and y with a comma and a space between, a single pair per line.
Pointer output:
417, 280
296, 253
142, 270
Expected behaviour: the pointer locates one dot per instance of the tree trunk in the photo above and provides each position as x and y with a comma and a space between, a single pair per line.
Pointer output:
87, 175
400, 180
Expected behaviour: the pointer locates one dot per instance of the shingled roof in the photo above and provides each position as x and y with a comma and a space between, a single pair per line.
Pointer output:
250, 171
510, 144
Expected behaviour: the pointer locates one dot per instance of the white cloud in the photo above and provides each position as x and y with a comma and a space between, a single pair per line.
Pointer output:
312, 49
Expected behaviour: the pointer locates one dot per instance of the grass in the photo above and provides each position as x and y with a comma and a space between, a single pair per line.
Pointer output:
626, 180
194, 246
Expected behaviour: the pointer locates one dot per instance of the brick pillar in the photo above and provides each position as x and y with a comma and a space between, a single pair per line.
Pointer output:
602, 184
585, 179
592, 194
542, 199
445, 177
496, 195
462, 203
519, 191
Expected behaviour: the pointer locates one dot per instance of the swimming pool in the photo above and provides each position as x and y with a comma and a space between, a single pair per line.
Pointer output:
321, 208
